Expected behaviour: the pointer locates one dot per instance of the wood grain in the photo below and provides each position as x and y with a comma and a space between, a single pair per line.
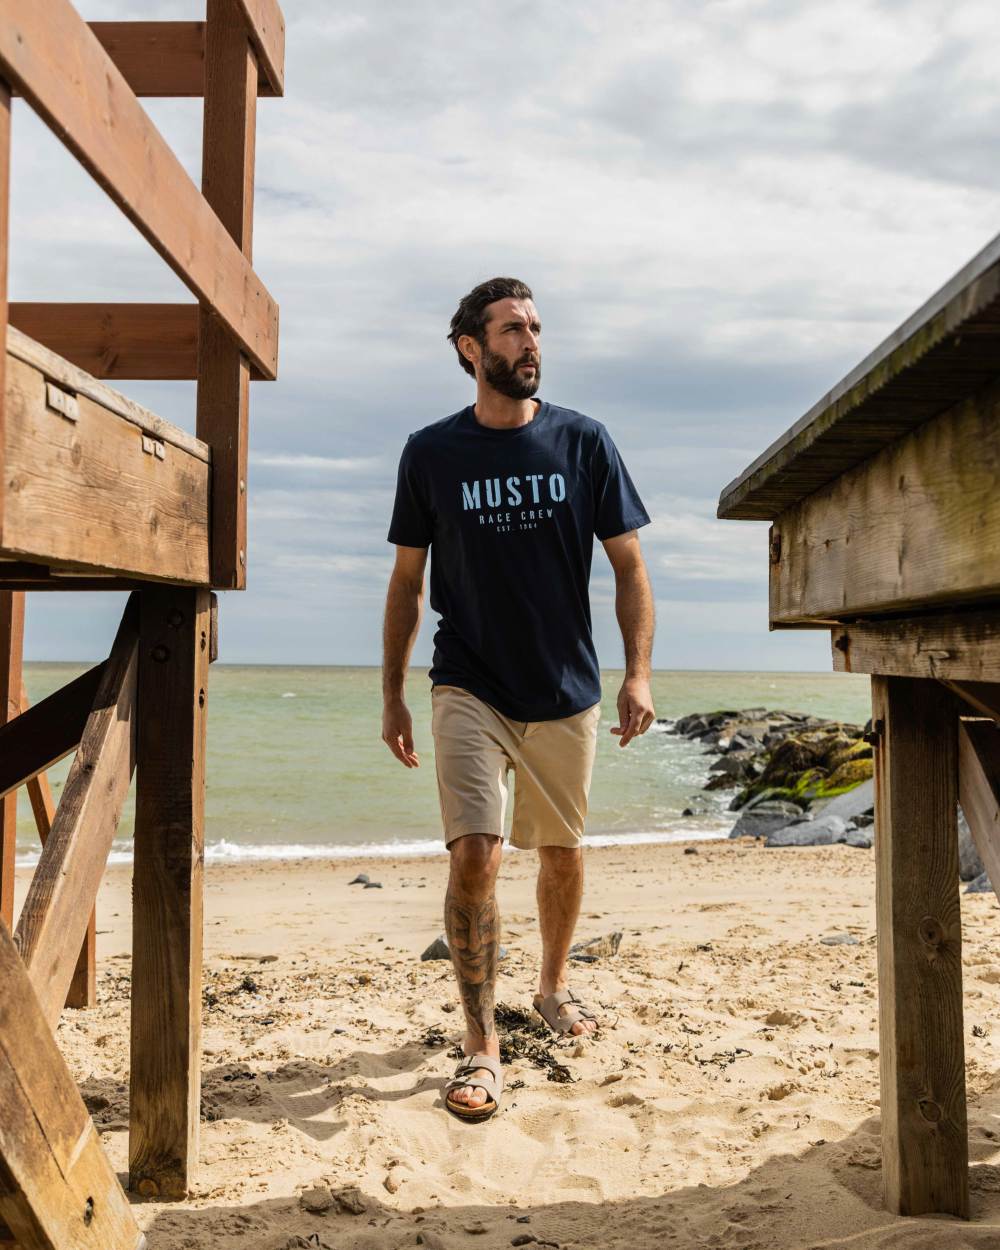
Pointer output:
267, 31
979, 790
46, 733
924, 1124
917, 525
95, 113
957, 646
228, 150
167, 892
980, 696
57, 1187
86, 494
63, 890
11, 656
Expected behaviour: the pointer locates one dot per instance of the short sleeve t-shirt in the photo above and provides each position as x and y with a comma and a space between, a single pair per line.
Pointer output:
510, 518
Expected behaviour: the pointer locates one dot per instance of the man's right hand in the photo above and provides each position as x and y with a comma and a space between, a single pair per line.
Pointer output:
397, 732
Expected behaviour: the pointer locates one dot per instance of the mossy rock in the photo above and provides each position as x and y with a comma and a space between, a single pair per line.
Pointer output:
847, 776
859, 750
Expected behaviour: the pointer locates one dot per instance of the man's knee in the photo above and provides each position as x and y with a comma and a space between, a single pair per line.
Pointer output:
475, 859
561, 859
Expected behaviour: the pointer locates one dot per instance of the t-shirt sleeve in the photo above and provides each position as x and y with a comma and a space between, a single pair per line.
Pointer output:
617, 506
411, 524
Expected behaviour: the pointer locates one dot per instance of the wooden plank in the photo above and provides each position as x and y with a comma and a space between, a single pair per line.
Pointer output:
160, 58
223, 372
83, 988
71, 82
979, 790
944, 352
167, 892
158, 341
959, 646
74, 380
46, 733
57, 1187
11, 655
916, 526
63, 890
267, 31
924, 1126
983, 696
95, 493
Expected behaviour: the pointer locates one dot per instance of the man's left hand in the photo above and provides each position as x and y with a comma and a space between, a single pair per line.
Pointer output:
635, 709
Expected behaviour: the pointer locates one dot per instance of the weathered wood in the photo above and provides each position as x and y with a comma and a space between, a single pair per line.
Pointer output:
97, 494
915, 526
945, 351
979, 790
42, 735
267, 31
83, 988
11, 655
228, 150
57, 1188
71, 378
959, 646
167, 892
98, 117
120, 340
983, 696
63, 890
924, 1125
160, 58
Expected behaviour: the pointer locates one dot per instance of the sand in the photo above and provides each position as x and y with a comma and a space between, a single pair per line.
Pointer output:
730, 1099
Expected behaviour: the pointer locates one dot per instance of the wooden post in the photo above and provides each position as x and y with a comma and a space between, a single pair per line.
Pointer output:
167, 891
223, 370
11, 653
924, 1127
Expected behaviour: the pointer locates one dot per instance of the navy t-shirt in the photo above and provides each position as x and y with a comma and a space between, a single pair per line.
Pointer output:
510, 517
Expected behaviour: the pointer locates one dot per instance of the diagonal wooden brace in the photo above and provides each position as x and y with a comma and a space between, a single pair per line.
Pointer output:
64, 888
979, 790
57, 1186
44, 734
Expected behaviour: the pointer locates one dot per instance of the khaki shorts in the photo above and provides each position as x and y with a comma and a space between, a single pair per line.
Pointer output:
475, 747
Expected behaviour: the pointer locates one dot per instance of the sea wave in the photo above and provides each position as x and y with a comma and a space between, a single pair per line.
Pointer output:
224, 851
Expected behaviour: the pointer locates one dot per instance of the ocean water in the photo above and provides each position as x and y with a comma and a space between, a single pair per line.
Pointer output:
296, 765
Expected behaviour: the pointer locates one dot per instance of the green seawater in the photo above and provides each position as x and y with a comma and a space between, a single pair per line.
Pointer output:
296, 765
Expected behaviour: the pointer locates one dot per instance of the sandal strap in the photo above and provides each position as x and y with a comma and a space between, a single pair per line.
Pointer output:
548, 1008
493, 1084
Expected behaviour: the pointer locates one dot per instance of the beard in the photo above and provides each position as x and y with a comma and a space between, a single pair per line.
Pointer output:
508, 381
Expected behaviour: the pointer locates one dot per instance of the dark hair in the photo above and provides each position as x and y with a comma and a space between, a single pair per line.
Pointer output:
470, 316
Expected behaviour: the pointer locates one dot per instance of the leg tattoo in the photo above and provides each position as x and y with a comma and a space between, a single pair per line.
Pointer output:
473, 935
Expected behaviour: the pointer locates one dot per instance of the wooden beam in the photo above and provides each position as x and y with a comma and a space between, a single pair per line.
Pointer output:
167, 888
98, 117
915, 527
160, 58
267, 31
46, 733
83, 988
982, 696
91, 491
957, 646
925, 1157
64, 887
144, 341
11, 654
979, 790
223, 372
57, 1186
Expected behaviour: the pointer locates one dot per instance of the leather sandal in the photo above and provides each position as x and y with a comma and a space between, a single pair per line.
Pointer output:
562, 1022
493, 1084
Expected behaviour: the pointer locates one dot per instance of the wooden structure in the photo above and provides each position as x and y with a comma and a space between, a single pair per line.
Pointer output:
886, 530
96, 492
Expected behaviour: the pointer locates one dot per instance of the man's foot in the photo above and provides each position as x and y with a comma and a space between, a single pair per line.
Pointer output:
472, 1095
564, 1013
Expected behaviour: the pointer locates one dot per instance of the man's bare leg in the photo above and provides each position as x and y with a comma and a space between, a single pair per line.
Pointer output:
559, 892
472, 923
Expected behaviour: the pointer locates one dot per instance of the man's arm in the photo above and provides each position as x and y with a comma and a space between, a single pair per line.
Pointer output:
403, 607
636, 619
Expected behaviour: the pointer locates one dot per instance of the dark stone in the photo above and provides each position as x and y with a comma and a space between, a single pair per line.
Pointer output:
360, 879
980, 885
764, 818
438, 949
688, 811
970, 865
691, 850
840, 939
373, 885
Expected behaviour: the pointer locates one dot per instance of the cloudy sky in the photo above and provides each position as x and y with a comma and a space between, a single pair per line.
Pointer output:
721, 206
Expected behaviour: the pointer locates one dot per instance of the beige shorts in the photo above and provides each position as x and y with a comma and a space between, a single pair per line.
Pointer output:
475, 747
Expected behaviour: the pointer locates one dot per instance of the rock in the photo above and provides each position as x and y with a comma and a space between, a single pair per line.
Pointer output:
857, 802
688, 811
980, 885
438, 949
600, 947
360, 879
317, 1201
350, 1200
821, 832
312, 1242
391, 1183
840, 939
764, 818
373, 885
691, 850
970, 865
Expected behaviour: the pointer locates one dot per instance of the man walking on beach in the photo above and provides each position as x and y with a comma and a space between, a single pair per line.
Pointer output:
508, 494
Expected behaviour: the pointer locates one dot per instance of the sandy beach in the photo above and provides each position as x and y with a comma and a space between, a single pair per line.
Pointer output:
729, 1100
